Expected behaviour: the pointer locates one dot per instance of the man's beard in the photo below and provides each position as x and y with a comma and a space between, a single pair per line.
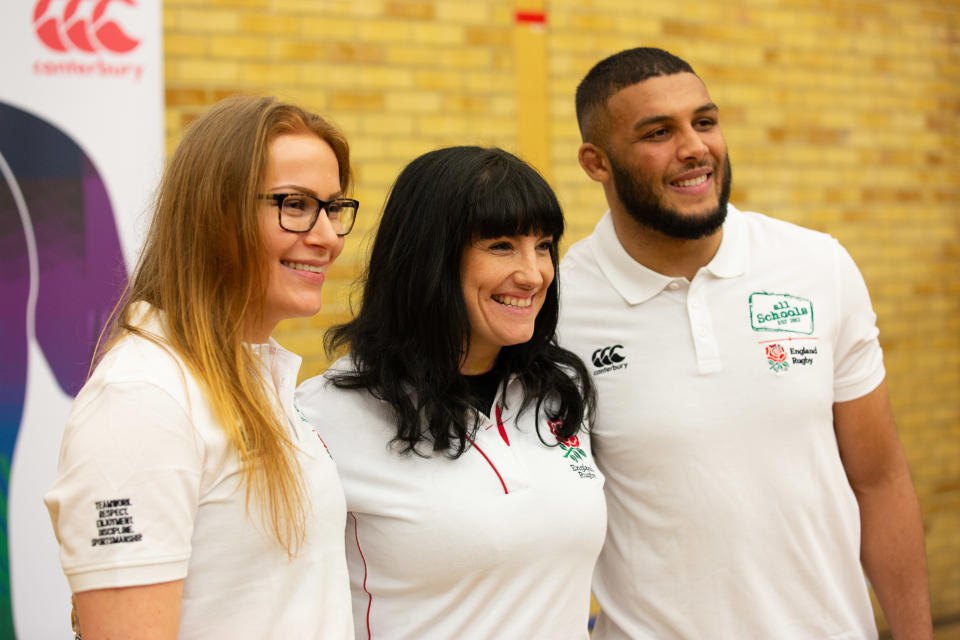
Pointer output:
644, 206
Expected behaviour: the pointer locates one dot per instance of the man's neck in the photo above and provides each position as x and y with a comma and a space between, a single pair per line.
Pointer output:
669, 256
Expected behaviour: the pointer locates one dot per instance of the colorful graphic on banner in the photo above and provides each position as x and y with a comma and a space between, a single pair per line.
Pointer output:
63, 269
81, 146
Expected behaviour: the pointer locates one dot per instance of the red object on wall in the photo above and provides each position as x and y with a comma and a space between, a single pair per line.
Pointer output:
531, 17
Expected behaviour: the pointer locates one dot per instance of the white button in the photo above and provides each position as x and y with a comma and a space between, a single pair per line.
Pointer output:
673, 286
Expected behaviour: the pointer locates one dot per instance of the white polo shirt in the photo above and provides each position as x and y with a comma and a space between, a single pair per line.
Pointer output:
148, 490
730, 512
498, 543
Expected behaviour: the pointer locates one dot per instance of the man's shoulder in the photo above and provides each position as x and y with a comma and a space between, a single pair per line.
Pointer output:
763, 227
579, 253
581, 258
580, 270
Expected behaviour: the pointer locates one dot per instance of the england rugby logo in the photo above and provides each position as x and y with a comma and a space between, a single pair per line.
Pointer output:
776, 357
82, 25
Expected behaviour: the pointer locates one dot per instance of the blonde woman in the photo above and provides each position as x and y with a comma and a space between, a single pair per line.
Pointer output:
190, 500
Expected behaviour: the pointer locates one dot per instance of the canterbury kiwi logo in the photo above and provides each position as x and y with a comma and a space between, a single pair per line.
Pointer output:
82, 25
607, 355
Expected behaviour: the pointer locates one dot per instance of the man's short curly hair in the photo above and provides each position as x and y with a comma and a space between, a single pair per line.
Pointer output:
614, 73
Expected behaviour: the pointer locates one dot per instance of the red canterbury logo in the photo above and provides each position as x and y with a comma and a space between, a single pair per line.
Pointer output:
76, 30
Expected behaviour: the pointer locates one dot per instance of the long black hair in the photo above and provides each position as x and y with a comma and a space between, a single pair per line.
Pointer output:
408, 336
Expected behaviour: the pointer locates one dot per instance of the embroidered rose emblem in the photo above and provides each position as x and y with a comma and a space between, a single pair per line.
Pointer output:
776, 353
571, 445
555, 426
776, 357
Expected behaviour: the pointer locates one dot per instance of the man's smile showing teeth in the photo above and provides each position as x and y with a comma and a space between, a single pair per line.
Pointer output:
692, 182
302, 266
510, 301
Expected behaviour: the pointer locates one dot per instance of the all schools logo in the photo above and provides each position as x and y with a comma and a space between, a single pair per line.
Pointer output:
93, 33
780, 312
608, 359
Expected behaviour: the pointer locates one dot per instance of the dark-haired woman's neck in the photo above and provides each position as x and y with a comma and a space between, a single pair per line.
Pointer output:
476, 362
483, 389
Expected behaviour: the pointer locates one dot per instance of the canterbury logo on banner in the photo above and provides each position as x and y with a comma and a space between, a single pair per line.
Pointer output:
81, 25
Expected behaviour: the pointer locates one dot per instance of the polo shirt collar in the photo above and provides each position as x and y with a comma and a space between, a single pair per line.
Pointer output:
279, 366
636, 283
731, 258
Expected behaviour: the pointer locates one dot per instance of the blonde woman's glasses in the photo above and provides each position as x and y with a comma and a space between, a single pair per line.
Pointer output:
298, 212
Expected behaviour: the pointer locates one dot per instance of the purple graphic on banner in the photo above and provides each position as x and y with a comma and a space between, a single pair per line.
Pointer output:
61, 271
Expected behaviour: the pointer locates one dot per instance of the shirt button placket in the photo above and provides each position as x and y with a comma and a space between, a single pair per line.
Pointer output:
704, 339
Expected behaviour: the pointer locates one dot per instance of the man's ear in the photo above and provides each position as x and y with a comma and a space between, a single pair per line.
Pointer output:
594, 162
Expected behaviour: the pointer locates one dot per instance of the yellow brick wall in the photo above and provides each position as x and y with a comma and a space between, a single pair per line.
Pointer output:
840, 115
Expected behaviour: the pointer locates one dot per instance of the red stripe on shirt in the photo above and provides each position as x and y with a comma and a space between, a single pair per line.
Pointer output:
356, 536
500, 427
499, 477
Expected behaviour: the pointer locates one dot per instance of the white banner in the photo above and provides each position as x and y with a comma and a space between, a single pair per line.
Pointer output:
81, 147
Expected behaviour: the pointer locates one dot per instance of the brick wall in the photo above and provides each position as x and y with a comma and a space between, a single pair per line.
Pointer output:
840, 115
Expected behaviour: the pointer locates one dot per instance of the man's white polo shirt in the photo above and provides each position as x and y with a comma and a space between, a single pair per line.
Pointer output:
498, 543
730, 512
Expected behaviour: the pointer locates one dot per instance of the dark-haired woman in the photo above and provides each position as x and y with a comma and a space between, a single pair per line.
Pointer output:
458, 425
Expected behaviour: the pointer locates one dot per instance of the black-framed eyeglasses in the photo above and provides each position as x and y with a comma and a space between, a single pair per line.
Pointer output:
298, 212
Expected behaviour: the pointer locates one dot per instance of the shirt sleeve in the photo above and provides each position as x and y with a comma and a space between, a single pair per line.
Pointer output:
126, 492
858, 358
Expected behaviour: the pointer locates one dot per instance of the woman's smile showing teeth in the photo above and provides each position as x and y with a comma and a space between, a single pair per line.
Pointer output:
510, 301
302, 266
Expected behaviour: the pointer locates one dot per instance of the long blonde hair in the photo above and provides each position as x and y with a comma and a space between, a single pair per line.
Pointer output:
203, 265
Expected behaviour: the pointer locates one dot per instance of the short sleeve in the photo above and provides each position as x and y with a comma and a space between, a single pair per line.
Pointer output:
858, 358
126, 492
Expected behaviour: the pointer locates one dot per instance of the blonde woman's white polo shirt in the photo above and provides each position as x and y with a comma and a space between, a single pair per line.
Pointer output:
148, 490
730, 512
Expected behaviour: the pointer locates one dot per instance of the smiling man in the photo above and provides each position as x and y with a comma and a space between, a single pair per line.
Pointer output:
753, 469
